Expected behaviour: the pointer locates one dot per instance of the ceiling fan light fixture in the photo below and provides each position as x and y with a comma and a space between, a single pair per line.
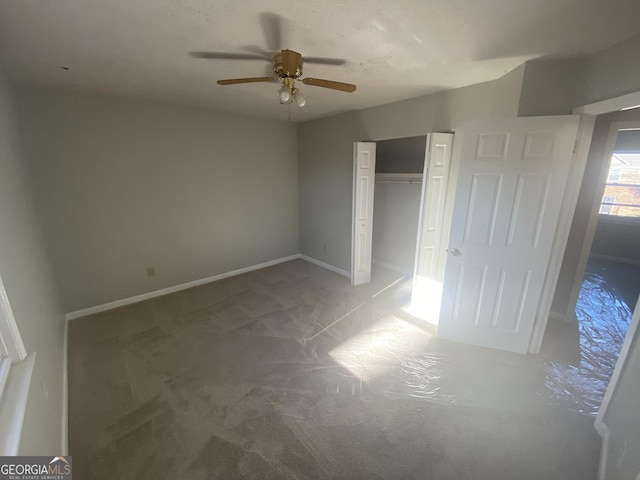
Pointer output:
301, 100
284, 94
287, 68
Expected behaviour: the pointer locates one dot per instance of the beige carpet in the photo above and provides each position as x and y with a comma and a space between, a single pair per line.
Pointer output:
291, 373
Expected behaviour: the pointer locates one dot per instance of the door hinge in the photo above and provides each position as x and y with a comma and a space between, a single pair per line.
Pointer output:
575, 147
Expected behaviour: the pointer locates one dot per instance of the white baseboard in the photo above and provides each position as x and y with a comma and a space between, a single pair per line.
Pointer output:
603, 430
325, 265
183, 286
65, 392
390, 266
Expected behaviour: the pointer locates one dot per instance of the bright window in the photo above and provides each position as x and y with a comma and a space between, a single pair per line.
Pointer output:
622, 193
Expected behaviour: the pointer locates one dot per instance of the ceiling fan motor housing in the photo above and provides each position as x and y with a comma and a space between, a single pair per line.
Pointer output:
287, 64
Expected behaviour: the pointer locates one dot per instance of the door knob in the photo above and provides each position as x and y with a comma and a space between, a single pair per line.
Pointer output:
455, 252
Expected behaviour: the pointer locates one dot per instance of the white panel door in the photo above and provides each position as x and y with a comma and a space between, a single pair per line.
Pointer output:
426, 292
429, 248
364, 175
509, 193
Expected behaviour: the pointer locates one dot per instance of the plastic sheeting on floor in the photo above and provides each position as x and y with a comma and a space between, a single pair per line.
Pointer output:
394, 357
603, 317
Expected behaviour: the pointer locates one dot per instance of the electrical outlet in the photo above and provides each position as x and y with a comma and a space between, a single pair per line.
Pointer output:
324, 248
151, 271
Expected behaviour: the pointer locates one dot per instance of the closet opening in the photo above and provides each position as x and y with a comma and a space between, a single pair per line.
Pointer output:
399, 171
400, 195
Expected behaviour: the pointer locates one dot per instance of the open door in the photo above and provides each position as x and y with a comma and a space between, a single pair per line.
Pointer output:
430, 258
510, 190
364, 176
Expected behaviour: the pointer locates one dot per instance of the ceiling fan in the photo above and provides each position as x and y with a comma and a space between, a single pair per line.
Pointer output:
287, 66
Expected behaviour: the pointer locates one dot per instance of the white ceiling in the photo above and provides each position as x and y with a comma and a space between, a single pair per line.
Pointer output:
394, 49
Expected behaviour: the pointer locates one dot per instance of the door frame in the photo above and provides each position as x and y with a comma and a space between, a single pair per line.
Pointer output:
615, 104
422, 174
632, 337
594, 216
561, 236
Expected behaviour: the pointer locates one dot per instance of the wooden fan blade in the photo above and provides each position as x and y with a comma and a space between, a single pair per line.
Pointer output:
318, 82
233, 81
229, 56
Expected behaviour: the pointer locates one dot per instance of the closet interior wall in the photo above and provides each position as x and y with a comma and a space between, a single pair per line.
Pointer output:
396, 208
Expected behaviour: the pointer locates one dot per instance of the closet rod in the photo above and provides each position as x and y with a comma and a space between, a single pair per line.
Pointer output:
411, 181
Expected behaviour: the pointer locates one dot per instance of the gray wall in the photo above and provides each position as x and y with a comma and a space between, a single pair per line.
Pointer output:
396, 210
622, 419
26, 273
619, 238
125, 184
401, 155
325, 153
610, 73
555, 87
396, 206
548, 87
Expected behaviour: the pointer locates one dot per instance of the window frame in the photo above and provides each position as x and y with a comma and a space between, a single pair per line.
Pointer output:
616, 183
